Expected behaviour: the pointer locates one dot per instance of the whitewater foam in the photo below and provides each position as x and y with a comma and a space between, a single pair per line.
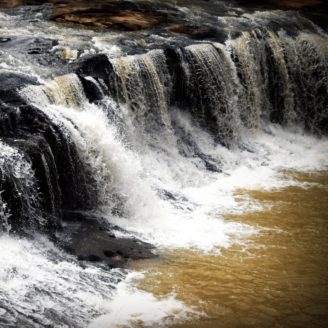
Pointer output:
131, 307
170, 200
45, 285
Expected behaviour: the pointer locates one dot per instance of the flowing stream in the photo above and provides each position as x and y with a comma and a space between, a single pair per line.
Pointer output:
214, 151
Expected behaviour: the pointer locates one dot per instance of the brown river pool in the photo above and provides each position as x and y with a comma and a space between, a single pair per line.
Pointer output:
279, 278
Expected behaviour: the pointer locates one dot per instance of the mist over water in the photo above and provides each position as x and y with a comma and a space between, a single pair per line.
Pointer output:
158, 142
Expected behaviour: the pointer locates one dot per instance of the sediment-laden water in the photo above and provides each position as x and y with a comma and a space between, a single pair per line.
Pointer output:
277, 278
192, 134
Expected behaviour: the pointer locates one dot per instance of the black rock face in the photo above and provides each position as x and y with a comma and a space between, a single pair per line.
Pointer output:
92, 238
10, 83
99, 68
63, 182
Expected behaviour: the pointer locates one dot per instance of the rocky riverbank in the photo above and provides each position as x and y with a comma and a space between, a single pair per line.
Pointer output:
139, 15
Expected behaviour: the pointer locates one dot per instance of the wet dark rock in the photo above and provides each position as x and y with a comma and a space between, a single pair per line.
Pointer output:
36, 50
13, 81
317, 14
18, 220
92, 238
97, 66
91, 90
28, 44
100, 68
276, 88
199, 32
62, 180
10, 83
179, 79
38, 152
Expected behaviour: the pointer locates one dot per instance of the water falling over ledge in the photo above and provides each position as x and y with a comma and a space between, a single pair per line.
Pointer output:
137, 146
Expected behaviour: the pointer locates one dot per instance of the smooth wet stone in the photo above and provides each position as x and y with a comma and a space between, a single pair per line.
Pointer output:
96, 66
199, 32
10, 80
10, 83
91, 238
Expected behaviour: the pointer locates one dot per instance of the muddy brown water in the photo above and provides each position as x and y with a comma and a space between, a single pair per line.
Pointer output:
279, 278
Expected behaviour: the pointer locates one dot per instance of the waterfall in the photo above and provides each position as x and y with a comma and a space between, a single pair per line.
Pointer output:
213, 90
19, 188
143, 85
148, 142
176, 101
176, 106
66, 90
271, 67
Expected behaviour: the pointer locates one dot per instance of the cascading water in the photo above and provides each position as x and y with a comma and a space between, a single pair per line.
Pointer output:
19, 183
153, 144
